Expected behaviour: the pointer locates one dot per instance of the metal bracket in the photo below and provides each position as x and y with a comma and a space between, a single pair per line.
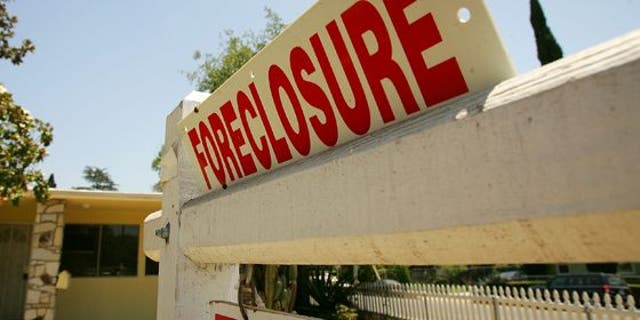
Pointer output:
164, 232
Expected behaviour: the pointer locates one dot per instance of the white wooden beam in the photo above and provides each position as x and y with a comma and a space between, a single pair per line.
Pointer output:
181, 279
545, 167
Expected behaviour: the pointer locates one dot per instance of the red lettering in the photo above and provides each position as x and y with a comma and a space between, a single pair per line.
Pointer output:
245, 107
437, 83
207, 142
246, 161
202, 161
278, 80
361, 18
280, 147
222, 140
313, 94
356, 117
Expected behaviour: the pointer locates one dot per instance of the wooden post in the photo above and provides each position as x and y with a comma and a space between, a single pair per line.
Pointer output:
184, 286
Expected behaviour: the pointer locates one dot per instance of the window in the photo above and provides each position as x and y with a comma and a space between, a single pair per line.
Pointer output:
100, 250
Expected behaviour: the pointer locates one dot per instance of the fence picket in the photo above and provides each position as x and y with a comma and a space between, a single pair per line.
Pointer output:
466, 307
437, 303
401, 302
482, 304
394, 301
417, 302
631, 303
451, 314
513, 303
420, 306
556, 313
442, 313
430, 303
508, 304
405, 301
410, 296
414, 310
449, 302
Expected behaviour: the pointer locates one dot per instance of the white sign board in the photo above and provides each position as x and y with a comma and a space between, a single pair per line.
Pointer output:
342, 70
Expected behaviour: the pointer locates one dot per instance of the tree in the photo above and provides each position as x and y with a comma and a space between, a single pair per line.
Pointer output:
98, 178
330, 287
23, 138
215, 69
23, 142
401, 274
15, 54
548, 48
156, 166
51, 182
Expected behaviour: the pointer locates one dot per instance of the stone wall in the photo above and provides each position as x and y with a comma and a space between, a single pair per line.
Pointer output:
46, 247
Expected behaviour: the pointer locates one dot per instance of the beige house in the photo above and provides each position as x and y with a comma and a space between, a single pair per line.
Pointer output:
94, 236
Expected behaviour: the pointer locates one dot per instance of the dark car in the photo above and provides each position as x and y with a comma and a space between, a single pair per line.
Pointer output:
591, 283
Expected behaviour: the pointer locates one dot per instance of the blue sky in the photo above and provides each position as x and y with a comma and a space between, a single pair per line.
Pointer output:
106, 73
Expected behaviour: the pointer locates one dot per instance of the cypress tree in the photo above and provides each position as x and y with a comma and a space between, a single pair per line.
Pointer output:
548, 48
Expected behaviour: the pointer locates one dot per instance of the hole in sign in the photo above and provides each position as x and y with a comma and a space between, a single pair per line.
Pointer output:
464, 15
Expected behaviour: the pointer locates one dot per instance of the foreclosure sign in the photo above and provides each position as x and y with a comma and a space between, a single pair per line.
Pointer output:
342, 70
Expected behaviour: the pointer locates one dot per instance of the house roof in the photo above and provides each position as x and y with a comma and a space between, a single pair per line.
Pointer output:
67, 194
81, 202
96, 198
85, 199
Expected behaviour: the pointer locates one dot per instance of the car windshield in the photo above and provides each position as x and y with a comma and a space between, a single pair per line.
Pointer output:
616, 281
593, 280
559, 281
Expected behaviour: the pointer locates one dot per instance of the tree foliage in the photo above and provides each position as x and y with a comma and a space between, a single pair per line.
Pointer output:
23, 138
98, 179
548, 48
398, 273
215, 69
15, 54
156, 166
23, 142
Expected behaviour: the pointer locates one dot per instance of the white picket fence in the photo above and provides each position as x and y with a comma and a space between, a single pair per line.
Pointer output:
438, 302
